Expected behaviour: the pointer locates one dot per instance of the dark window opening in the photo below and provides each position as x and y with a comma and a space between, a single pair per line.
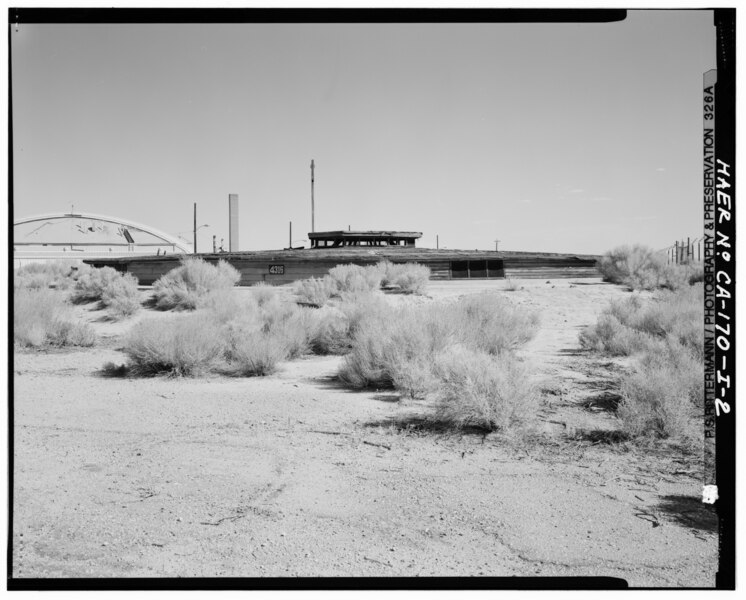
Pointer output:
478, 268
460, 269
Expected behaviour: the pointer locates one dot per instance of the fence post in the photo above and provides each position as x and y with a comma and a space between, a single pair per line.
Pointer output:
676, 245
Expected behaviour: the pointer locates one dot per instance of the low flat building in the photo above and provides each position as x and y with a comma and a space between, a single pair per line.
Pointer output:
284, 266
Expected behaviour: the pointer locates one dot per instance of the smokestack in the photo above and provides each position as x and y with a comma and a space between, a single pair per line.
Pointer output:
233, 222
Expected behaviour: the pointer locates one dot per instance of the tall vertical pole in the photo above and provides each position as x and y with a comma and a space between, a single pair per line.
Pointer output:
676, 245
195, 228
437, 242
290, 238
312, 206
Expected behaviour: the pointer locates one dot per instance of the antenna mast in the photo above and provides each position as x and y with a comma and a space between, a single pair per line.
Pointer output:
312, 206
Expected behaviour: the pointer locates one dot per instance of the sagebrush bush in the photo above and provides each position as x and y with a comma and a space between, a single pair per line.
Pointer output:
397, 346
635, 324
90, 285
609, 336
263, 293
355, 279
492, 324
42, 317
58, 274
316, 291
189, 286
641, 268
662, 397
185, 345
411, 278
121, 296
116, 291
251, 352
479, 390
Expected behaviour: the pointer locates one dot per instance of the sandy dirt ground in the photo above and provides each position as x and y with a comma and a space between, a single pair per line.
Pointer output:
294, 475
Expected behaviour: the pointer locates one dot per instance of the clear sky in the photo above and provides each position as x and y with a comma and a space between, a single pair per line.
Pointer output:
549, 137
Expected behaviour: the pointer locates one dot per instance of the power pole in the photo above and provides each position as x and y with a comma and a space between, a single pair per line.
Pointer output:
312, 206
496, 242
195, 228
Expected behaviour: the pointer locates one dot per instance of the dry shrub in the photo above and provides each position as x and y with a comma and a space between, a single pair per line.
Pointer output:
90, 285
479, 390
189, 286
315, 291
636, 325
329, 331
57, 274
185, 345
116, 291
121, 297
42, 317
411, 278
641, 268
397, 347
355, 279
253, 352
662, 397
609, 336
263, 293
492, 324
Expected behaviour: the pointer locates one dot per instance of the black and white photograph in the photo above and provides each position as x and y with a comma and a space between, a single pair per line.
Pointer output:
407, 298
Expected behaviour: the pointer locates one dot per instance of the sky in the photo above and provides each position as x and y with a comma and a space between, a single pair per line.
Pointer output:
548, 137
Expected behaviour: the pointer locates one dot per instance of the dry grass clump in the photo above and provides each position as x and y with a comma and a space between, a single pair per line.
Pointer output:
116, 291
454, 354
636, 325
492, 324
479, 390
59, 274
662, 395
344, 280
391, 339
641, 268
236, 334
186, 345
411, 278
121, 297
355, 279
188, 286
315, 291
392, 346
42, 317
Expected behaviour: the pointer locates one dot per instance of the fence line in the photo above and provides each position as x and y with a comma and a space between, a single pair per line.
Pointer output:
688, 250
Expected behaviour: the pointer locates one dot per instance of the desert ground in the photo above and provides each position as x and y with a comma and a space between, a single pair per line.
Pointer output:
295, 475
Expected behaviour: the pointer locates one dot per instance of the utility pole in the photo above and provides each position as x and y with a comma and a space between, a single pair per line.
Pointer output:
290, 238
437, 242
195, 228
496, 242
312, 206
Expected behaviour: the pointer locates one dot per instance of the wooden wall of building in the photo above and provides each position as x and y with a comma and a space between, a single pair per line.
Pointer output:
291, 267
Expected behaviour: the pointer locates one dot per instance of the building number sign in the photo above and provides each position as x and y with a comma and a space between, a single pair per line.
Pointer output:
276, 269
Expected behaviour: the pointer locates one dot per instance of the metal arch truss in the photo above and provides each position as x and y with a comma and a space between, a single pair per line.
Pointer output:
167, 239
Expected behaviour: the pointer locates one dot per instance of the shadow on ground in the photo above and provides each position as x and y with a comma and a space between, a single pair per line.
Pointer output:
690, 512
601, 436
418, 424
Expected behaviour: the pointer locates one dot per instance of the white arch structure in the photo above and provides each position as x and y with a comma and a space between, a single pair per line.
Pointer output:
176, 243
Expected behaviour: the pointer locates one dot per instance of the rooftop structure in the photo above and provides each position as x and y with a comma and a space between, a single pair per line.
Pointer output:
336, 239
